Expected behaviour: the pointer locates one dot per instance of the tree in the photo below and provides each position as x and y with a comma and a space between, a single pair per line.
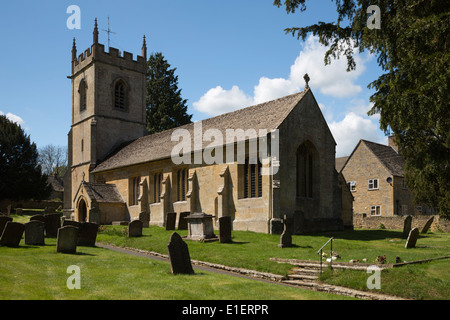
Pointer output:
165, 107
21, 177
412, 96
53, 159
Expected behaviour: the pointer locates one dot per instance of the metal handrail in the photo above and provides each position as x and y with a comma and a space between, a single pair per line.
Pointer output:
331, 254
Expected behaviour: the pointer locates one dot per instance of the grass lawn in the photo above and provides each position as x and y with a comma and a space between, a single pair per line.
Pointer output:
39, 273
249, 250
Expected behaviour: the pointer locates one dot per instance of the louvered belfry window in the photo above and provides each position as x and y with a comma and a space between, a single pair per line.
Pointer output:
120, 95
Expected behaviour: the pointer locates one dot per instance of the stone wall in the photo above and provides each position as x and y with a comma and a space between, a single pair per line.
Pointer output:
363, 221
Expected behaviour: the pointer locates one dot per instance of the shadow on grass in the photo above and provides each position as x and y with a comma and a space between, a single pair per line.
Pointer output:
366, 235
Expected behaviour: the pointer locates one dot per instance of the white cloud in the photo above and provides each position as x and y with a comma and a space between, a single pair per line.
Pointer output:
332, 80
14, 118
350, 130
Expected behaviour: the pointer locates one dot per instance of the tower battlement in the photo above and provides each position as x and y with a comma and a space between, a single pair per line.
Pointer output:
97, 53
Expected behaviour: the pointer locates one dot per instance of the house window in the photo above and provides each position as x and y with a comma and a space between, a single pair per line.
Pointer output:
375, 210
373, 184
134, 187
252, 179
182, 184
83, 95
157, 187
352, 186
120, 95
305, 170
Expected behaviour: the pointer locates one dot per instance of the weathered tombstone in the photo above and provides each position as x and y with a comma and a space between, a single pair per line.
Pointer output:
180, 260
67, 239
3, 221
171, 220
286, 237
135, 228
407, 226
52, 224
8, 210
225, 230
182, 222
34, 233
412, 238
19, 211
88, 234
38, 217
12, 234
427, 225
71, 223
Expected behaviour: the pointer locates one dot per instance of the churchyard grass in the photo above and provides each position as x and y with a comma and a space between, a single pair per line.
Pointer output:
39, 273
253, 251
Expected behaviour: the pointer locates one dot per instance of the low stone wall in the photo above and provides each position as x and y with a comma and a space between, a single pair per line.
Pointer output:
363, 221
29, 204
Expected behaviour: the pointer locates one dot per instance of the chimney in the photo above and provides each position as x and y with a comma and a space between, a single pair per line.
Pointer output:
392, 143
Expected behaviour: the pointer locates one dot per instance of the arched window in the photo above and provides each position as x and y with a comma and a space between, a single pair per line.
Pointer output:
120, 95
82, 90
307, 170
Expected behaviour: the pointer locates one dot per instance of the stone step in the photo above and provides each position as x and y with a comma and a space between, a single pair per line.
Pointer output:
306, 270
300, 283
302, 277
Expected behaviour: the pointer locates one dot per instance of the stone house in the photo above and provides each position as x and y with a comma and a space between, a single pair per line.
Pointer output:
375, 176
119, 173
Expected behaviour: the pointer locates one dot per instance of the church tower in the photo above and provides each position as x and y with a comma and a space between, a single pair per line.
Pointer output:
108, 108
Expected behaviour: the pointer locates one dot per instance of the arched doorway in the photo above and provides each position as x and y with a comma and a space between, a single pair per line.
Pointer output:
82, 211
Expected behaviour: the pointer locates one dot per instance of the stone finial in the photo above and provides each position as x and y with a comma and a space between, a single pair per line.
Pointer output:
74, 50
95, 32
306, 77
144, 49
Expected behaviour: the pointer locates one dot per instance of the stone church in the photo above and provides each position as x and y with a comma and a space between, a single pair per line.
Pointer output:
120, 173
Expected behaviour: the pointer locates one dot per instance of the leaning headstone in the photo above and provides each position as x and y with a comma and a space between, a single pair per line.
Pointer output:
225, 230
182, 222
135, 228
3, 221
180, 260
427, 225
407, 226
88, 234
170, 220
412, 238
67, 239
12, 234
286, 237
34, 233
52, 224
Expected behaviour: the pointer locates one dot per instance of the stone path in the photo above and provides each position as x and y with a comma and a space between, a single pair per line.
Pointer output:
304, 277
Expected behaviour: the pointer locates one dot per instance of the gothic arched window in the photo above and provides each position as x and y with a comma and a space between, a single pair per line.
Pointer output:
120, 95
307, 170
83, 95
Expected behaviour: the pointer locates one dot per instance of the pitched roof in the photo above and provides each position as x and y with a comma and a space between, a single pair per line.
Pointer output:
268, 116
390, 158
101, 192
340, 162
56, 182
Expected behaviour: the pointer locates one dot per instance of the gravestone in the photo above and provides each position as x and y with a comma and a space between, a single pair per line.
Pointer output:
71, 223
38, 217
170, 220
3, 221
412, 238
286, 237
12, 234
34, 233
180, 260
182, 222
427, 225
8, 210
52, 224
88, 234
225, 230
67, 239
407, 226
135, 228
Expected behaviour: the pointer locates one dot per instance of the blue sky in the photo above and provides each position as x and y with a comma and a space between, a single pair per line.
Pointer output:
228, 54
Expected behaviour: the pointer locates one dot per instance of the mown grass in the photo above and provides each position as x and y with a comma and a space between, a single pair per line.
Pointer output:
39, 273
